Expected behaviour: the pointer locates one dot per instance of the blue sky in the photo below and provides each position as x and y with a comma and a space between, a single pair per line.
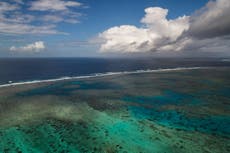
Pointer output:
66, 28
103, 14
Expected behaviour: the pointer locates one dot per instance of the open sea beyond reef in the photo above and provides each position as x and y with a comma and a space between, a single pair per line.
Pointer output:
175, 110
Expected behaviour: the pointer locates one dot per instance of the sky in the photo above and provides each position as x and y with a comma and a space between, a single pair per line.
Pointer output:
109, 28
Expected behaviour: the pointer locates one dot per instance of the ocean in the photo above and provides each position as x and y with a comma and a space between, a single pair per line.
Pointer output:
89, 105
29, 69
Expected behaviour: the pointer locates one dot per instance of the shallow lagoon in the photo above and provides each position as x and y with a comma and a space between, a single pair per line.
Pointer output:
160, 112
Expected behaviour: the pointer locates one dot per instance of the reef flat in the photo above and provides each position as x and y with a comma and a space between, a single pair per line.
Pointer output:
183, 111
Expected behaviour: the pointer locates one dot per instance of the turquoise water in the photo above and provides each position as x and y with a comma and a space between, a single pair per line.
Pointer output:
215, 125
164, 112
168, 97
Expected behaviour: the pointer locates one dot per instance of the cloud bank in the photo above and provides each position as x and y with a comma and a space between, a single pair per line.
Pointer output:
34, 47
206, 29
213, 20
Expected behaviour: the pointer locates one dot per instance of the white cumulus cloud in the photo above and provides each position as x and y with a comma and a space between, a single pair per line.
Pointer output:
207, 29
157, 30
34, 47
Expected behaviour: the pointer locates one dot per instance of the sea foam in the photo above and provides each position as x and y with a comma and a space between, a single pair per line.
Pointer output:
101, 75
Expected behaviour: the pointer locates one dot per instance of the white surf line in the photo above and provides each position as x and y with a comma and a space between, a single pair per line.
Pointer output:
102, 75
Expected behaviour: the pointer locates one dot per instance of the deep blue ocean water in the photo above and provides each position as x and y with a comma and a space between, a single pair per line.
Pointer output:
29, 69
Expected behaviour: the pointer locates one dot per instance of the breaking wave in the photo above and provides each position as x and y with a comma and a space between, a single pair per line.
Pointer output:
101, 75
